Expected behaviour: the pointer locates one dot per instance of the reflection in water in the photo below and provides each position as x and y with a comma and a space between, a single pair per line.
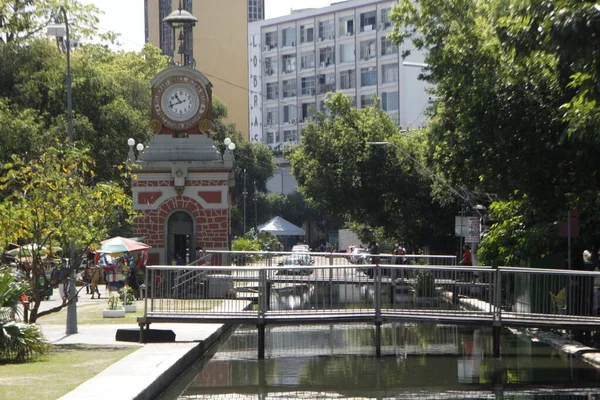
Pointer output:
419, 361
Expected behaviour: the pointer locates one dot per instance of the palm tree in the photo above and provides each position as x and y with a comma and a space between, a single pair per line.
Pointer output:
19, 342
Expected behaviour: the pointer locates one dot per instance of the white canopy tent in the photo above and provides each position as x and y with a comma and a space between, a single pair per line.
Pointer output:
280, 227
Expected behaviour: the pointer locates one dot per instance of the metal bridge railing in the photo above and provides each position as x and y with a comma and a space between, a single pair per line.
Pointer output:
265, 288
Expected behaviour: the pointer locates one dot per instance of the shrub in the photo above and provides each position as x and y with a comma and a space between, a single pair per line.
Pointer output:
128, 295
18, 341
113, 301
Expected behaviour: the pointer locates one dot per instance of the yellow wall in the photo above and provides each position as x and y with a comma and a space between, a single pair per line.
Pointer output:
220, 50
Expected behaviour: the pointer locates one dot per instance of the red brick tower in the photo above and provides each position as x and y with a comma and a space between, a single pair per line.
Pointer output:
181, 183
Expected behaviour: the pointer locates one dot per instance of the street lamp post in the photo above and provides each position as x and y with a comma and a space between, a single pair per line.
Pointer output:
58, 31
245, 194
131, 158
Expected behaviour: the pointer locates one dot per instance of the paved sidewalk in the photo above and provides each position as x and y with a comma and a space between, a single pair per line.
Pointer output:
143, 374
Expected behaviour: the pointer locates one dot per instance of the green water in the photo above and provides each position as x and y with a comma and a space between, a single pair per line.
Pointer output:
418, 362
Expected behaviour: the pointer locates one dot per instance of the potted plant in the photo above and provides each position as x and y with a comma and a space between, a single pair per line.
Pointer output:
128, 299
113, 310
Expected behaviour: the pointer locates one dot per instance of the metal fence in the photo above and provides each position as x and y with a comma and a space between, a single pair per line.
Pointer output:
324, 287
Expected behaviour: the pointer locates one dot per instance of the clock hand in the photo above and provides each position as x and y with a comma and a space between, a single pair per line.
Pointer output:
171, 105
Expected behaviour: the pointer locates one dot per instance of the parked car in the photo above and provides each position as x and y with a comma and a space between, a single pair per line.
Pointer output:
295, 260
358, 255
302, 248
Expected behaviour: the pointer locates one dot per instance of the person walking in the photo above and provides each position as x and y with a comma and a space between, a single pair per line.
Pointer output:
467, 257
96, 275
374, 251
86, 277
467, 260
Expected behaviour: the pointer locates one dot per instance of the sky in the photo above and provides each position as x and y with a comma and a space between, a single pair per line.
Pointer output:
126, 17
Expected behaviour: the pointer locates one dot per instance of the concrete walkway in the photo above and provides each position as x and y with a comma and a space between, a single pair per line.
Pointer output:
143, 374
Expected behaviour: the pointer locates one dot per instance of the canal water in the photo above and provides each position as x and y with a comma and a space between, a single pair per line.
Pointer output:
419, 361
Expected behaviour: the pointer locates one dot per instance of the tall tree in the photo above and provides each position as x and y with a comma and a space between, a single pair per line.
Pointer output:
22, 20
341, 174
111, 99
52, 201
503, 125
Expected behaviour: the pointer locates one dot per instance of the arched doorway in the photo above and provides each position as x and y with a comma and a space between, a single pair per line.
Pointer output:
181, 237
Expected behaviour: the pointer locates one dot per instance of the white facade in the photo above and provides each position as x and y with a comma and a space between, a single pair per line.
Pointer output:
297, 59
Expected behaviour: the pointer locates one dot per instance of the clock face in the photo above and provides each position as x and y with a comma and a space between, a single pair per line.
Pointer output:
180, 102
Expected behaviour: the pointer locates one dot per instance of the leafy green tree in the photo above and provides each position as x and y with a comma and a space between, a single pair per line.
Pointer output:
23, 20
340, 174
18, 341
52, 200
503, 123
111, 99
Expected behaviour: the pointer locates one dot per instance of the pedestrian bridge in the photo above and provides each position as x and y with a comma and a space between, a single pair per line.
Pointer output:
251, 288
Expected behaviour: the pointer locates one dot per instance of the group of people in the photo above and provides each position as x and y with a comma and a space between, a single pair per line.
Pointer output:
116, 272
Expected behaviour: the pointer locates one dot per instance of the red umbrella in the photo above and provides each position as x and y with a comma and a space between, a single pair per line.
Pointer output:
120, 244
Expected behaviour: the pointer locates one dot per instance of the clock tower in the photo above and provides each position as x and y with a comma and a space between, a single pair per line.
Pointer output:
181, 185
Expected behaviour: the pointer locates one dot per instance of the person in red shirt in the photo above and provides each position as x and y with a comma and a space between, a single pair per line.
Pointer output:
467, 258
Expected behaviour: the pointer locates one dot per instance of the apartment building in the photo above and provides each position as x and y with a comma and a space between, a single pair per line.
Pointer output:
295, 60
219, 44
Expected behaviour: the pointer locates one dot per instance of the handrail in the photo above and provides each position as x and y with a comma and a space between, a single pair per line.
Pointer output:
505, 295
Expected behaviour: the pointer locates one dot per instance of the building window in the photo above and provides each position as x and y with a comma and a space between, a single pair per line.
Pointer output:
367, 21
389, 101
288, 63
326, 31
368, 76
389, 73
347, 53
288, 37
385, 18
271, 116
346, 25
307, 110
270, 137
270, 40
307, 59
387, 47
307, 34
367, 49
289, 88
327, 56
289, 114
270, 66
256, 10
308, 86
289, 136
367, 100
272, 91
348, 79
326, 83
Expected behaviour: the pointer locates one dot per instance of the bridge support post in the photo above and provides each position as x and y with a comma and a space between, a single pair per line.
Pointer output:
496, 340
378, 338
261, 341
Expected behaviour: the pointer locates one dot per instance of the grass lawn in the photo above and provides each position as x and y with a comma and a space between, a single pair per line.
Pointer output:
54, 375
